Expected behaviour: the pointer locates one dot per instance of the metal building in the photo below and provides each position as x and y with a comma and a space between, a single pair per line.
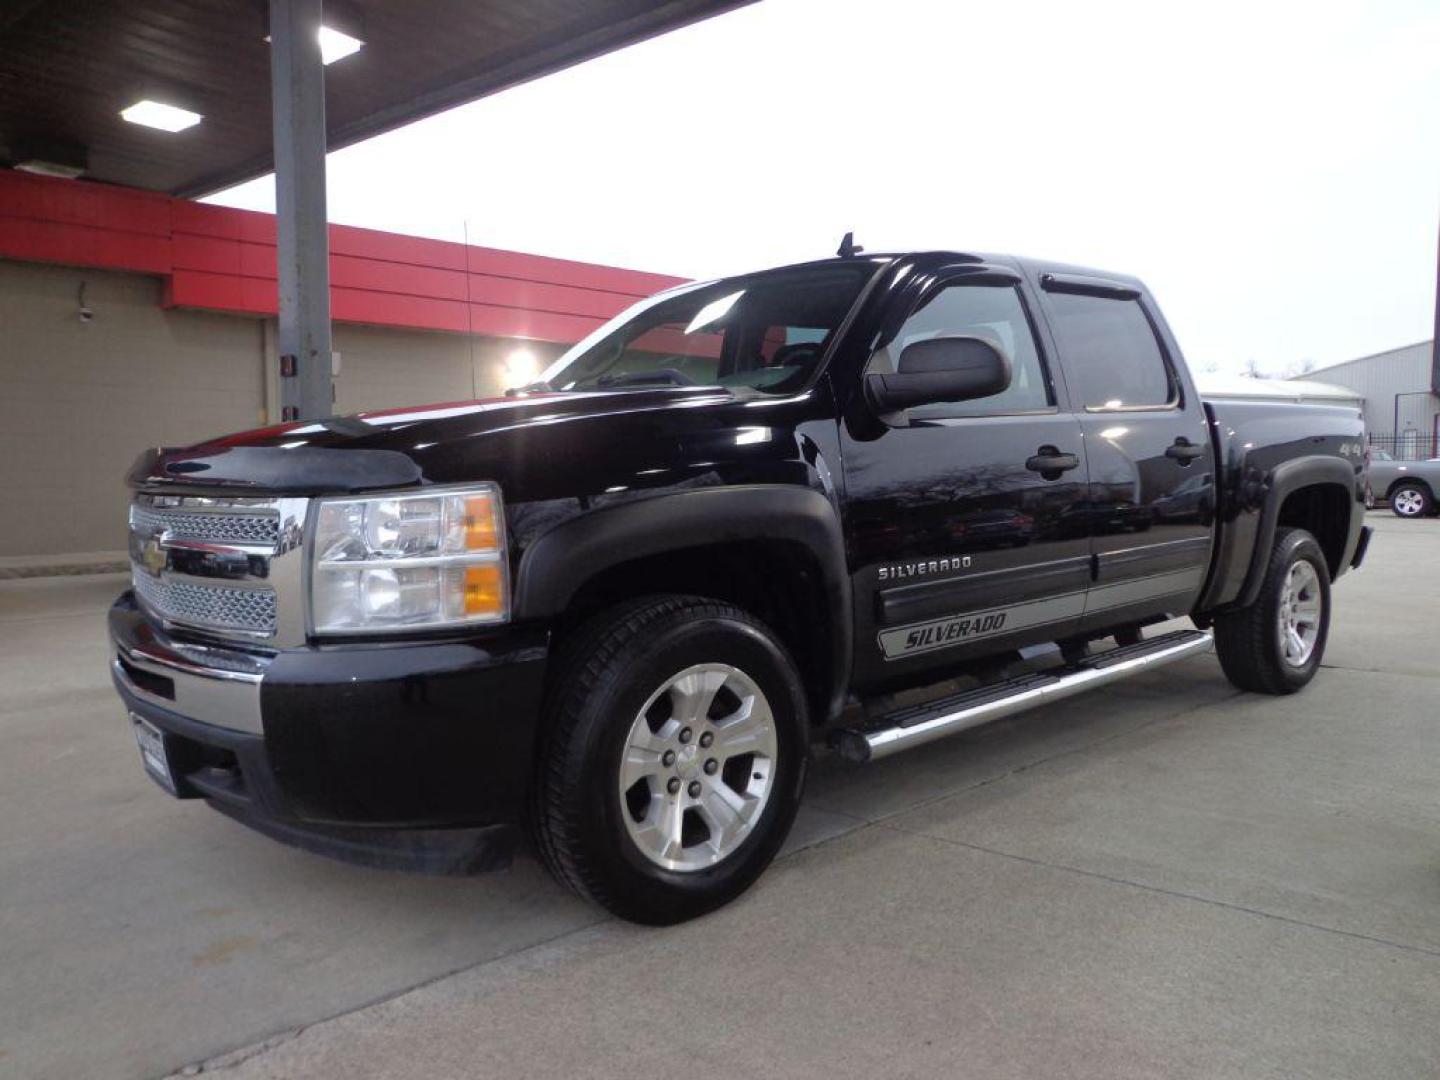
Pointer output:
1402, 409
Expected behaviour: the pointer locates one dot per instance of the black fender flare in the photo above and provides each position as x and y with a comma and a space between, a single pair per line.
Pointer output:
554, 568
1288, 477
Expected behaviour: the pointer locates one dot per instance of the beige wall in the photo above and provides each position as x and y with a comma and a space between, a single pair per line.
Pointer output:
382, 368
78, 400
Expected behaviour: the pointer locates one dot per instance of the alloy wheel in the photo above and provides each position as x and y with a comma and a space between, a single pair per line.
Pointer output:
698, 767
1409, 502
1299, 618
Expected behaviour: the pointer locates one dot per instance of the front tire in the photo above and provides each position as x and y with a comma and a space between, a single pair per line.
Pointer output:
1411, 501
1274, 646
673, 759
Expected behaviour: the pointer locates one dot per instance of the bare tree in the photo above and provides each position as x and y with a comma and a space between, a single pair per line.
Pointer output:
1297, 368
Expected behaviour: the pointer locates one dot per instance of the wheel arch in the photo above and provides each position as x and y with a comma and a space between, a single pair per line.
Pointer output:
1316, 493
1410, 481
773, 550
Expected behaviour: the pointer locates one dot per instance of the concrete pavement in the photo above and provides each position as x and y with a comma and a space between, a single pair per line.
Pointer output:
1165, 878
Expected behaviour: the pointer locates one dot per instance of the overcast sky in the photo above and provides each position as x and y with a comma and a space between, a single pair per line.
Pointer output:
1271, 170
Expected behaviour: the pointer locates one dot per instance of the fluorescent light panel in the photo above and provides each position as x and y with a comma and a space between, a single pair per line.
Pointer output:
156, 114
51, 168
336, 46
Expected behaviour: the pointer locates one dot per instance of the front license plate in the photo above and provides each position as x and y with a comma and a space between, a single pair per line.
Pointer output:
152, 751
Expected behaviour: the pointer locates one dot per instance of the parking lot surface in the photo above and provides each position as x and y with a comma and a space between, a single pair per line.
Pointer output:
1166, 878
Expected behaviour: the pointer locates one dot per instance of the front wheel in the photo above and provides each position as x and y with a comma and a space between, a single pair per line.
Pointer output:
673, 760
1410, 501
1274, 646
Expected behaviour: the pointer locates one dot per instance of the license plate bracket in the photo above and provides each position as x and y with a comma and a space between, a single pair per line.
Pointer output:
153, 752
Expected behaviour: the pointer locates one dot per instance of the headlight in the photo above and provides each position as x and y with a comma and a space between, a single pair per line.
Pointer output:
400, 561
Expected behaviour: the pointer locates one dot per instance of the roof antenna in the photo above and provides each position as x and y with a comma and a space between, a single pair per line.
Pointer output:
848, 249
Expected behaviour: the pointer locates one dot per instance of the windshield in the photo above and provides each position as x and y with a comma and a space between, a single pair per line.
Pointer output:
765, 332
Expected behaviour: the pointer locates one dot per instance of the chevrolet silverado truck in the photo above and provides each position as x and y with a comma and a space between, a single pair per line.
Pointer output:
857, 504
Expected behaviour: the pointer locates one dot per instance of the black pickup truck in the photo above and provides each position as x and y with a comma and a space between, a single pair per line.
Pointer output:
619, 607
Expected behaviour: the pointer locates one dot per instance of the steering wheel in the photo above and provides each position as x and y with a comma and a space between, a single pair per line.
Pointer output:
802, 356
799, 354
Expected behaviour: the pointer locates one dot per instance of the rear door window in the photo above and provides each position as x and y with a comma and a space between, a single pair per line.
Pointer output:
1111, 352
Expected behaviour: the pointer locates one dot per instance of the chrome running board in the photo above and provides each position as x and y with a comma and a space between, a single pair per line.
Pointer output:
916, 725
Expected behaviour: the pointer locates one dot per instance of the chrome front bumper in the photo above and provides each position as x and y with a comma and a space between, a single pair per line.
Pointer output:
426, 735
208, 683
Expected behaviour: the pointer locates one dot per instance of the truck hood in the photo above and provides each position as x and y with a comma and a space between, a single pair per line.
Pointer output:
468, 419
507, 438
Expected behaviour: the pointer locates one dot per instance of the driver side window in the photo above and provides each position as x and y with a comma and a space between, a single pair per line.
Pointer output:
995, 313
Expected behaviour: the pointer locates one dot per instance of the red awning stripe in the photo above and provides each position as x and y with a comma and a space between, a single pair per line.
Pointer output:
220, 259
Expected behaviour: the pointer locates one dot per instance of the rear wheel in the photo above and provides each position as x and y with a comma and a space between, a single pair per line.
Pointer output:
1411, 501
1274, 646
674, 758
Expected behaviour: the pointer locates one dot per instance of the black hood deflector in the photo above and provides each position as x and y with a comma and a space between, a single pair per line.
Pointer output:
300, 470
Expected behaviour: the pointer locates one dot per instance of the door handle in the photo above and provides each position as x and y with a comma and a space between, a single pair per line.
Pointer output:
1049, 462
1184, 451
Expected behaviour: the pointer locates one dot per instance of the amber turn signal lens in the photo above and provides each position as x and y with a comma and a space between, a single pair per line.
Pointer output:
484, 590
482, 531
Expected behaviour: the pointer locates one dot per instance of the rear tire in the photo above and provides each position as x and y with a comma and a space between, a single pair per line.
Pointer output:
1411, 501
1274, 646
674, 756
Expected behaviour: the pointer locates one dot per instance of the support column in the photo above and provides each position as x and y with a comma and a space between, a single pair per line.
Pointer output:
297, 90
1435, 343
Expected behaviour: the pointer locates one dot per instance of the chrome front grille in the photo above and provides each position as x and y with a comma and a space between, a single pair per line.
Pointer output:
262, 527
213, 607
230, 567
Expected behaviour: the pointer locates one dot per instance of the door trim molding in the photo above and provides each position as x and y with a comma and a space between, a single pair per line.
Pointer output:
939, 597
960, 629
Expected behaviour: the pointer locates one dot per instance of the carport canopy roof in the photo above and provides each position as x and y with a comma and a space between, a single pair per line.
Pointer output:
67, 68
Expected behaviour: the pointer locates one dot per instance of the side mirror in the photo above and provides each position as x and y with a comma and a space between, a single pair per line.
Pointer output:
955, 368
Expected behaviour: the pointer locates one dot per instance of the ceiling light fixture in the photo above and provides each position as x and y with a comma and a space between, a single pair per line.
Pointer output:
335, 45
51, 168
47, 155
155, 114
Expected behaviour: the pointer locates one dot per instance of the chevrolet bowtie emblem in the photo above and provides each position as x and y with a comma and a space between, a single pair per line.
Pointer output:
152, 556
